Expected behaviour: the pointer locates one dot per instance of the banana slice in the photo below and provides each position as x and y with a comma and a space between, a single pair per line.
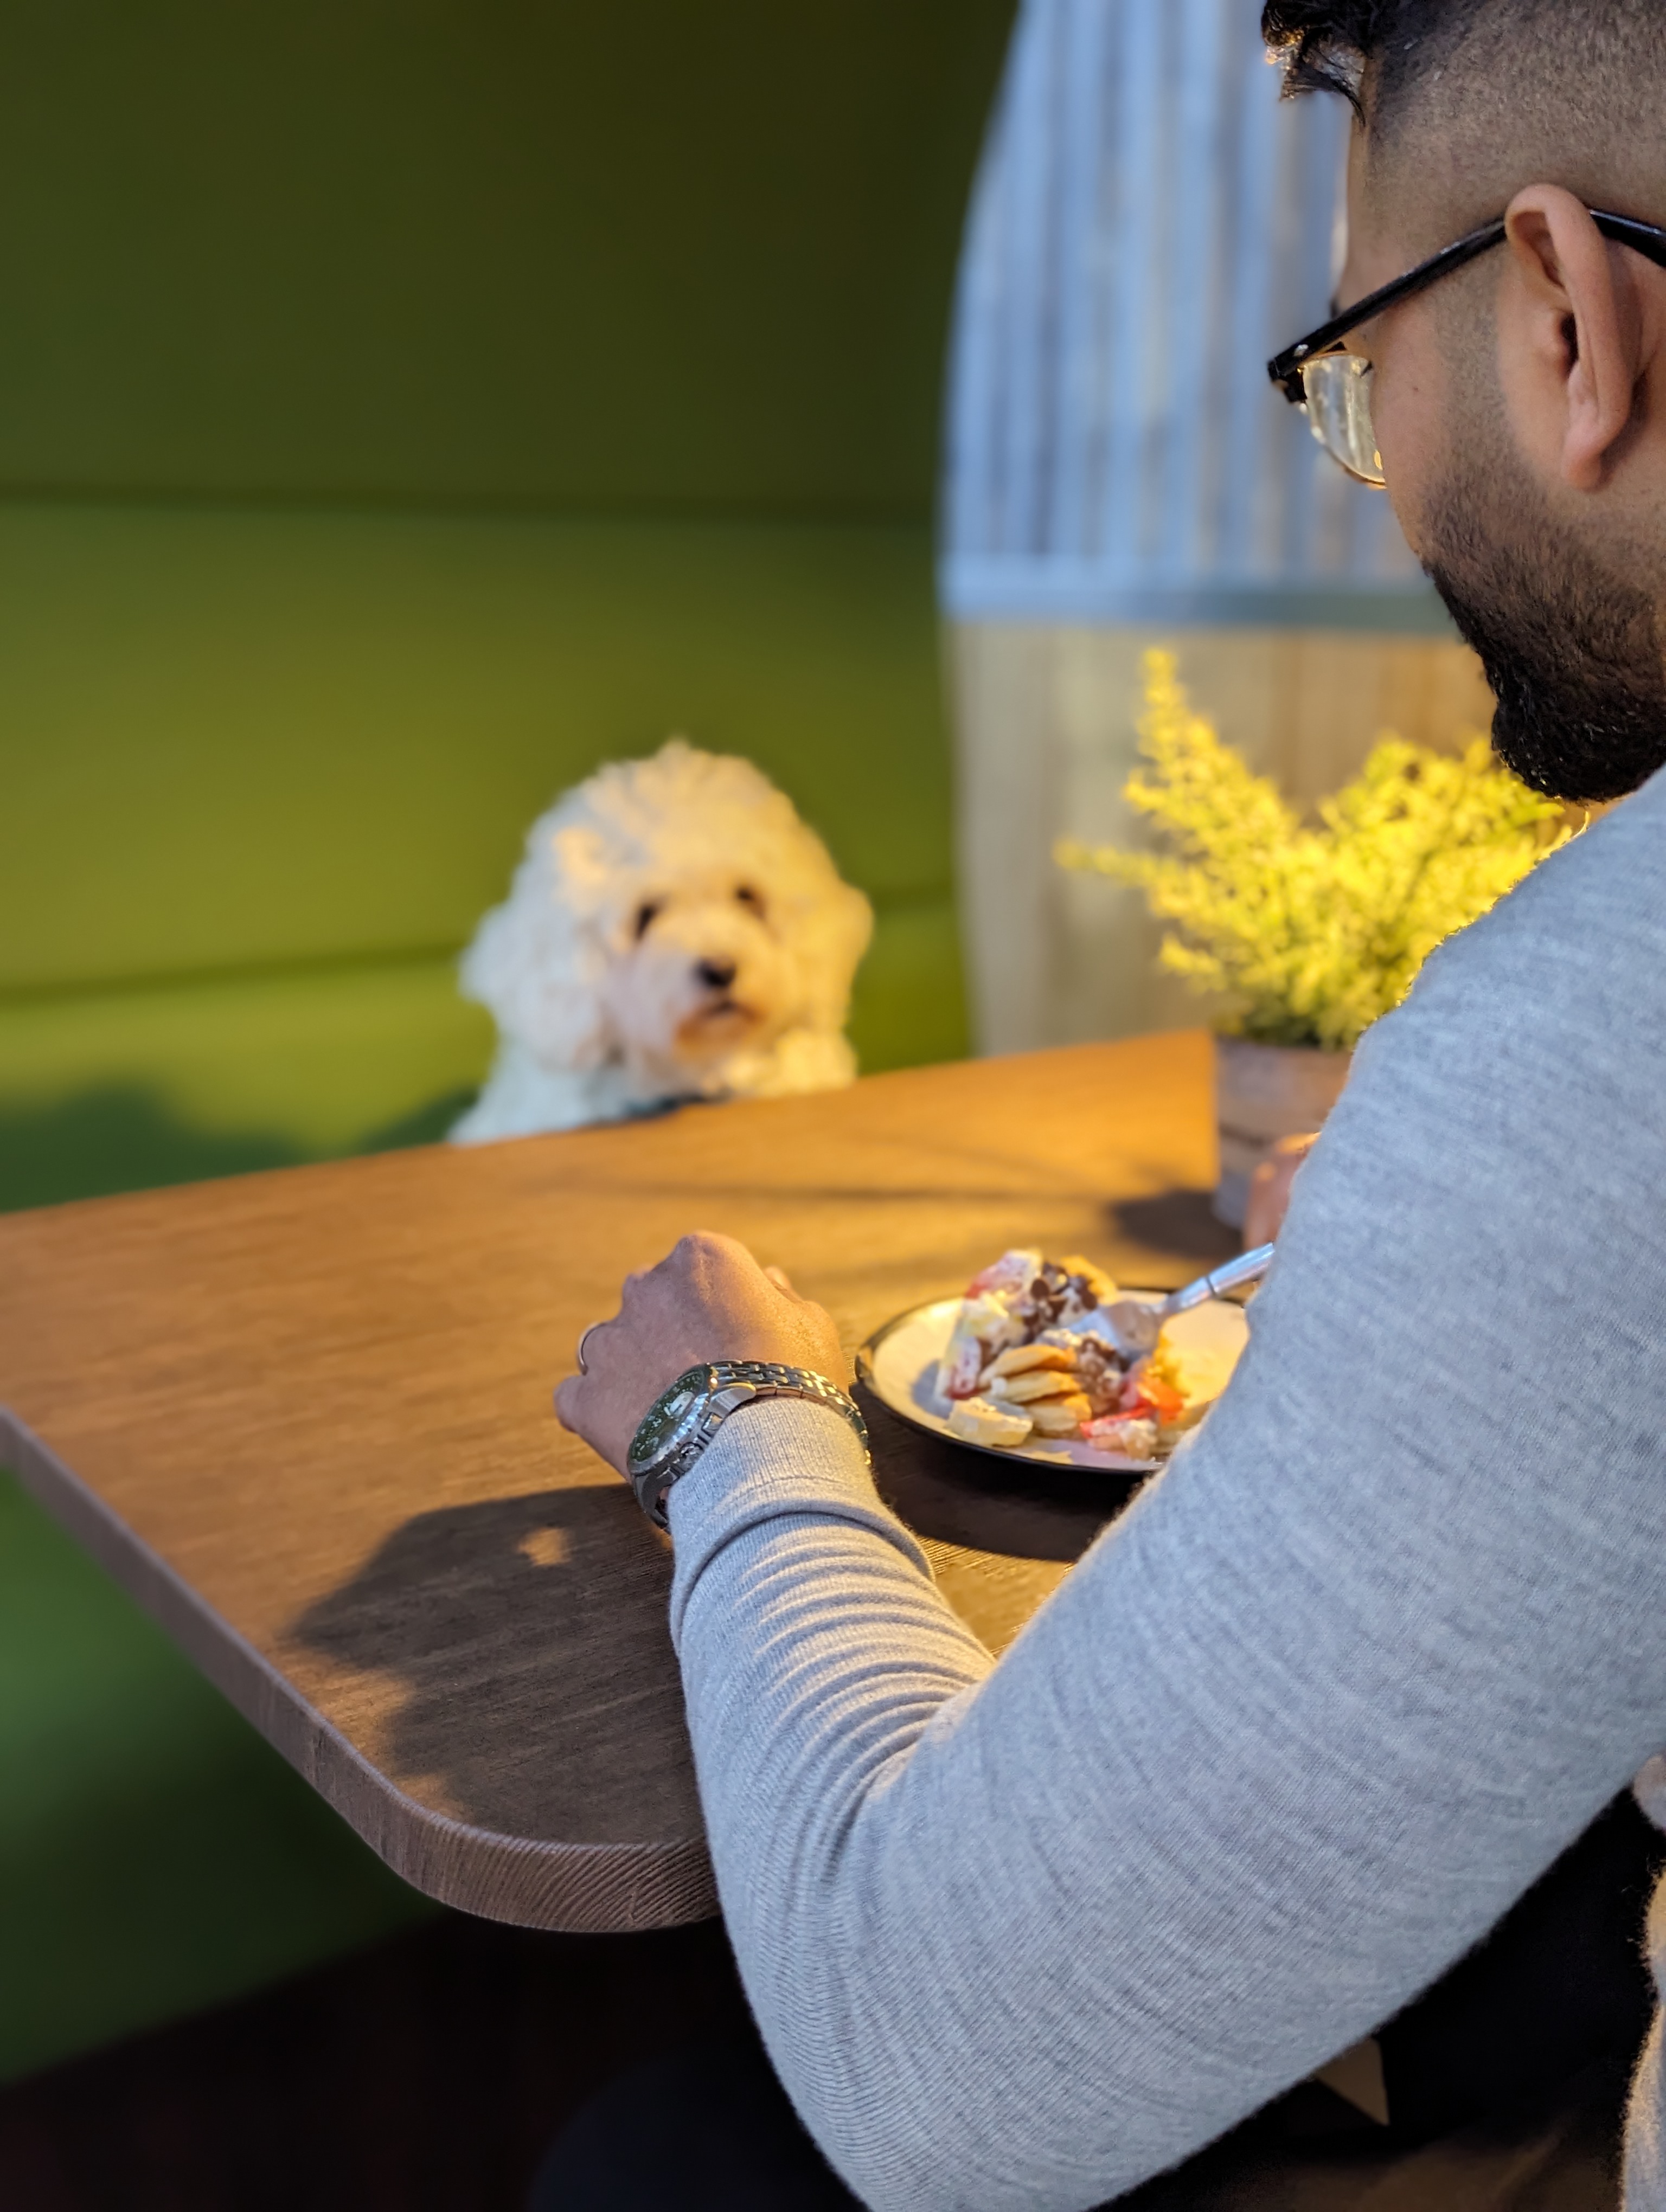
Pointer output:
1019, 1359
977, 1421
1040, 1382
1060, 1417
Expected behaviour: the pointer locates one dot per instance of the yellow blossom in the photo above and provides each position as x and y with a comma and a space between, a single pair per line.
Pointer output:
1311, 931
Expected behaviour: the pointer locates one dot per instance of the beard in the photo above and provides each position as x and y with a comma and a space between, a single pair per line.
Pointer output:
1572, 651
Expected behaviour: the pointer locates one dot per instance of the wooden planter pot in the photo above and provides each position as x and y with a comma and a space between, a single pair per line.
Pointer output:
1263, 1092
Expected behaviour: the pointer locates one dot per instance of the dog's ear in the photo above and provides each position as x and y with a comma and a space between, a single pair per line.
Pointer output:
830, 938
538, 969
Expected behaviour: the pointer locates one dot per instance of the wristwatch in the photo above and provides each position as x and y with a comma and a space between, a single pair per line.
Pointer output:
682, 1420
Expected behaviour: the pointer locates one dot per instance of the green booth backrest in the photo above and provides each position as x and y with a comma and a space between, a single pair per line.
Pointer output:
687, 255
401, 410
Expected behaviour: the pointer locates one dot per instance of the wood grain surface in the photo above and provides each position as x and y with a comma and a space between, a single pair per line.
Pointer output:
305, 1417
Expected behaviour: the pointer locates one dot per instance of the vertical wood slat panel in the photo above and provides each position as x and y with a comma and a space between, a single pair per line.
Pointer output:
1150, 222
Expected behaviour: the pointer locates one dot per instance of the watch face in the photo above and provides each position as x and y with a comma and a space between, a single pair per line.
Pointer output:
667, 1414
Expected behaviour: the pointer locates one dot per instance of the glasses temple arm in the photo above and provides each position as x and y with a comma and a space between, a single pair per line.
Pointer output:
1647, 238
1285, 368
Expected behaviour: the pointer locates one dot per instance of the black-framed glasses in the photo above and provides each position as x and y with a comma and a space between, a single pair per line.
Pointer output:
1333, 386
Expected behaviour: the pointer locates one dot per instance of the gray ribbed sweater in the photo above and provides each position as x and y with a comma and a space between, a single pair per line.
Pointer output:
1296, 1732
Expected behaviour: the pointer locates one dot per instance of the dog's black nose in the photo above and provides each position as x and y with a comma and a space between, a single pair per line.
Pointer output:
717, 975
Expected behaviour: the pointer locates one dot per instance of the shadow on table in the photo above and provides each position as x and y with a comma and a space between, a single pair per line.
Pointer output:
478, 1612
1179, 1224
1001, 1534
956, 1495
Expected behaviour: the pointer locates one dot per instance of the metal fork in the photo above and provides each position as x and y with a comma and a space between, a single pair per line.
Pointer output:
1137, 1327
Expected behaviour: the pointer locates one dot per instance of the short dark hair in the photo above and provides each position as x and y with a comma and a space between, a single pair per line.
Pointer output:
1571, 58
1326, 44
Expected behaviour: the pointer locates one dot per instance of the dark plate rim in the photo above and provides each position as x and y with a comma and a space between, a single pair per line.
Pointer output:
1019, 1455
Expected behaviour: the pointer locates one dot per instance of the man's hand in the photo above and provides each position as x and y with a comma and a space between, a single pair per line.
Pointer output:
1269, 1190
709, 1299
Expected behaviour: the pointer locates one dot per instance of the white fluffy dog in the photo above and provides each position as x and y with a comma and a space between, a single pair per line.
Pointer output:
673, 932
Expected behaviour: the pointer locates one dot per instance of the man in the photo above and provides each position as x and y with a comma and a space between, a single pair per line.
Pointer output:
1348, 1678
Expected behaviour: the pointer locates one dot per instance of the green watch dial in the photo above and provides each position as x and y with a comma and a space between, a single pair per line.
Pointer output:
667, 1415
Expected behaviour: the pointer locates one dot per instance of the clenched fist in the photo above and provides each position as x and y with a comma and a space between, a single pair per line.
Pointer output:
707, 1299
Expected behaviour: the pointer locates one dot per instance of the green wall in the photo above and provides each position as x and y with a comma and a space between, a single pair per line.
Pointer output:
693, 254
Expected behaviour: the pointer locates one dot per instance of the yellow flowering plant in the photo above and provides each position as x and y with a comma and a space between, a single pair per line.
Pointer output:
1311, 931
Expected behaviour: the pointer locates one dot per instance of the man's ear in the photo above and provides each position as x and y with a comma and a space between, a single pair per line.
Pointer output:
1575, 334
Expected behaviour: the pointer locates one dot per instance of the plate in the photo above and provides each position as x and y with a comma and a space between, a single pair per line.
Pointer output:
898, 1365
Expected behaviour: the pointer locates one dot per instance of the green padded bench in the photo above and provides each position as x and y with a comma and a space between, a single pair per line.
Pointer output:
401, 412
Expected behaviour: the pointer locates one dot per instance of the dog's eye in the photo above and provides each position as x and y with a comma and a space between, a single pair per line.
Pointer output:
647, 914
752, 900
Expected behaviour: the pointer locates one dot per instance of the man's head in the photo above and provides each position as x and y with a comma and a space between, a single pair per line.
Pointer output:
1520, 404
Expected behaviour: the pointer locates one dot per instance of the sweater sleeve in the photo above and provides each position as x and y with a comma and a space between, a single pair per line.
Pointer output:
1342, 1682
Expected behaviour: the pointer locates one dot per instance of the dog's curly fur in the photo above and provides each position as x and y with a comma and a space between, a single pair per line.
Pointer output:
673, 932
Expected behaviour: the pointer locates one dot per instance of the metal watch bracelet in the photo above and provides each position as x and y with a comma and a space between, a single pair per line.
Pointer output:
684, 1420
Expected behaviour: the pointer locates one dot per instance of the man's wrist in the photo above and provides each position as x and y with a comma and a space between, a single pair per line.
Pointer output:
686, 1419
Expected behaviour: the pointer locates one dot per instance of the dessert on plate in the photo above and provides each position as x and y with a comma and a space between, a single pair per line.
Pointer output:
1050, 1348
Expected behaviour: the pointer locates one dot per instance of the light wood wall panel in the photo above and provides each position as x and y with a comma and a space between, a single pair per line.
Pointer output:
1047, 733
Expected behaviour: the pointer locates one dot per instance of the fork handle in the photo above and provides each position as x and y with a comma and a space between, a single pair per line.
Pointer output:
1232, 1276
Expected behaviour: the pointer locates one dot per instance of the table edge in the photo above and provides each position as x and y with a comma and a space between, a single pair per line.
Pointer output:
569, 1888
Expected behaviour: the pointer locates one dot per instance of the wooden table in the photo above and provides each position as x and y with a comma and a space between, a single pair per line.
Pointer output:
304, 1418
